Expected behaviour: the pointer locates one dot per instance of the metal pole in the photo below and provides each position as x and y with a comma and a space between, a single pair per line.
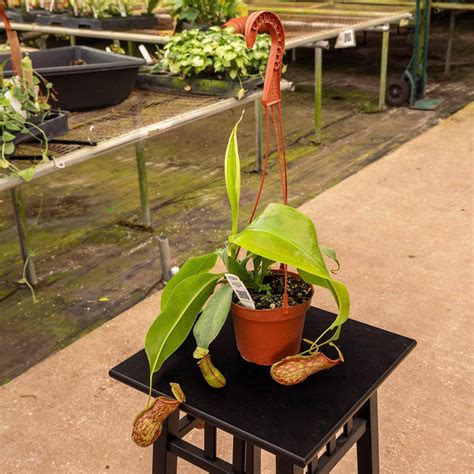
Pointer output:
130, 48
165, 258
293, 55
72, 40
143, 183
383, 68
21, 225
318, 87
449, 49
426, 38
258, 135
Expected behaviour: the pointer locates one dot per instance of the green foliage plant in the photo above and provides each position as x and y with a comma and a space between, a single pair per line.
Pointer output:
209, 12
101, 8
22, 107
213, 53
197, 296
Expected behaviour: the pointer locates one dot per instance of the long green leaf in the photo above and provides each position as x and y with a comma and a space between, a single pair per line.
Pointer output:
284, 234
232, 175
341, 296
193, 266
172, 326
213, 317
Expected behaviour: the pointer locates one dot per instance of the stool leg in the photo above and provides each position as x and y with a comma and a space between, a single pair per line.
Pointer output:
368, 444
238, 456
284, 466
163, 461
252, 459
210, 442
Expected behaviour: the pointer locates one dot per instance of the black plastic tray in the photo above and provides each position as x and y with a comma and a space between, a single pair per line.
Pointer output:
216, 87
131, 22
105, 79
18, 15
54, 125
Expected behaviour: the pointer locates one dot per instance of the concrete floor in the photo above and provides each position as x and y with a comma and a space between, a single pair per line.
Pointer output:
403, 230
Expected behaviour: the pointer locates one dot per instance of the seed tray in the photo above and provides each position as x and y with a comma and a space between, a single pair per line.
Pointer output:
202, 86
91, 23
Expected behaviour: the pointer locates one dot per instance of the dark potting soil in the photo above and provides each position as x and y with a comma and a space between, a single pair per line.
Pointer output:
298, 292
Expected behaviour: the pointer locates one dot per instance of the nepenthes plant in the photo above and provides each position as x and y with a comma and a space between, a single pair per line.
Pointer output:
199, 299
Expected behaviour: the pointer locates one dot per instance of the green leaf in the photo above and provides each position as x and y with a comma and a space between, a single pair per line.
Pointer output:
7, 137
104, 299
8, 148
193, 266
341, 296
233, 266
331, 253
213, 317
284, 234
232, 175
27, 174
172, 326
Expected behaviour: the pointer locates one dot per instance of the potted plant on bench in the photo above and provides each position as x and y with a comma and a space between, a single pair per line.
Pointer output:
213, 62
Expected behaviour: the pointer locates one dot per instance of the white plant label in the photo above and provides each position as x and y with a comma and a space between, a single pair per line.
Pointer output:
346, 39
240, 290
146, 55
123, 12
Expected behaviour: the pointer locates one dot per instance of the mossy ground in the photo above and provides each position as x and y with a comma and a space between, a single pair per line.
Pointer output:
86, 252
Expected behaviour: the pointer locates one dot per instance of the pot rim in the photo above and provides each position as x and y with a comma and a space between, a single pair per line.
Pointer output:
275, 314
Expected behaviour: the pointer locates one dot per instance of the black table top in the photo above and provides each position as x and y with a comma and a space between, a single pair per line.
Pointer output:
294, 421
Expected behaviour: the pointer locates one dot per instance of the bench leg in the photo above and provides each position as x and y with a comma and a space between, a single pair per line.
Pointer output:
143, 183
368, 444
163, 461
318, 94
22, 228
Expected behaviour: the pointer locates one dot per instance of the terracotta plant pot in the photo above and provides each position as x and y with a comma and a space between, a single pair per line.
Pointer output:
265, 336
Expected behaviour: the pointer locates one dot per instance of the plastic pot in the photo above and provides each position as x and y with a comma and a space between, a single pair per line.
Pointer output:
265, 336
